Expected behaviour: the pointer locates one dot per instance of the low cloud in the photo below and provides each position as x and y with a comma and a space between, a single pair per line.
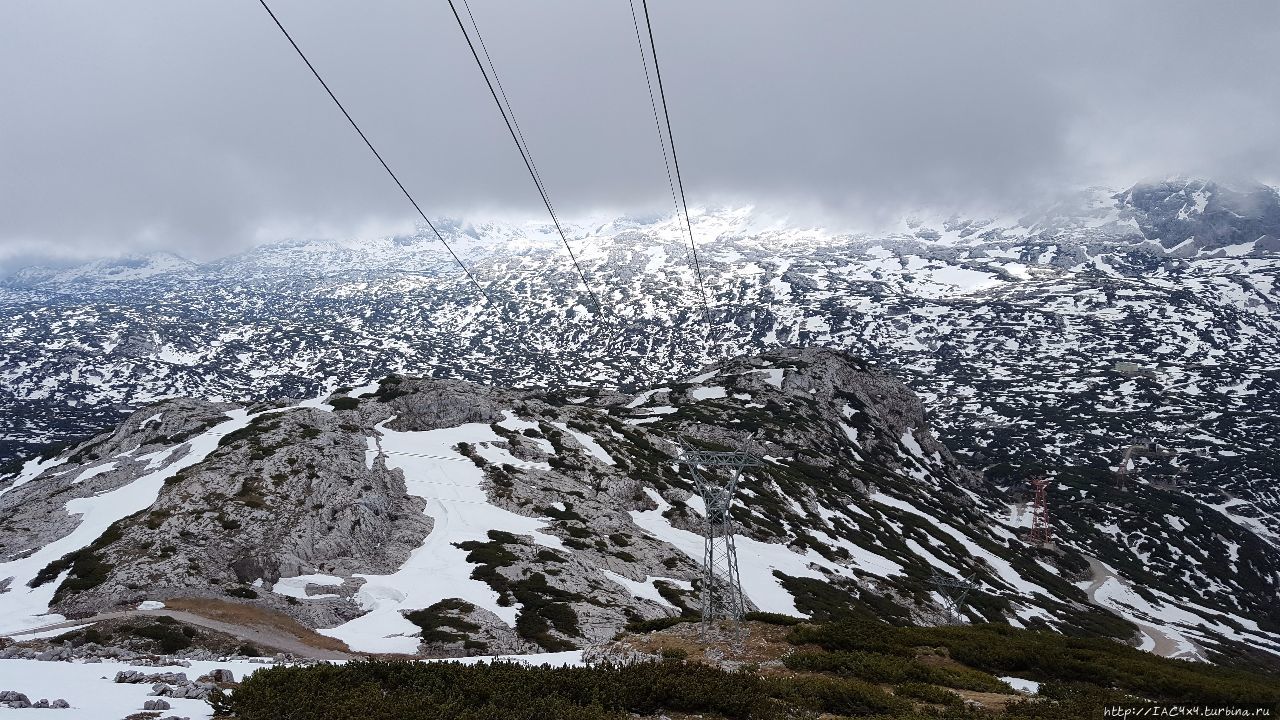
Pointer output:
192, 127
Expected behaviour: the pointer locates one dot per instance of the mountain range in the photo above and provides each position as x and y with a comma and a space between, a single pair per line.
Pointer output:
1045, 343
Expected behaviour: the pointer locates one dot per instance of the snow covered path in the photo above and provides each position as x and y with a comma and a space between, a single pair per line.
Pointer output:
1106, 587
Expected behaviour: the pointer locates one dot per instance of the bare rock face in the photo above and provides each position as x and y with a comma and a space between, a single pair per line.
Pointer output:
288, 494
586, 522
33, 514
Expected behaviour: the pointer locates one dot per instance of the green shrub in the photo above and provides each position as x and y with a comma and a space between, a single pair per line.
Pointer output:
434, 619
656, 624
88, 569
928, 693
168, 638
398, 690
769, 618
852, 645
838, 696
674, 654
345, 403
156, 518
548, 556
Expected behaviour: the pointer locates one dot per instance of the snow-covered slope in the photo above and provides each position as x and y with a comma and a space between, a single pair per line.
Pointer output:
1043, 342
440, 516
1053, 338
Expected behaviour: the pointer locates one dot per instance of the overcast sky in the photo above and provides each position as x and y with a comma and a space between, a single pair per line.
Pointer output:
191, 126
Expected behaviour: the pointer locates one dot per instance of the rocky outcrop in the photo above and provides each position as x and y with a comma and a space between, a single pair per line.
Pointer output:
174, 685
310, 492
15, 700
557, 519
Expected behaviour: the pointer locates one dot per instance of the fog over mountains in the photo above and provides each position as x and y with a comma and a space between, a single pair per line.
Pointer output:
1043, 343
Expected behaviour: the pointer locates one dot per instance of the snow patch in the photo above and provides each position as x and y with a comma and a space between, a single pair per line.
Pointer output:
643, 590
94, 472
456, 501
1030, 687
909, 440
296, 587
712, 392
590, 444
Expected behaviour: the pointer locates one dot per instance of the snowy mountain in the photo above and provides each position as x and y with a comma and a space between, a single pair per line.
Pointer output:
1042, 342
436, 516
98, 273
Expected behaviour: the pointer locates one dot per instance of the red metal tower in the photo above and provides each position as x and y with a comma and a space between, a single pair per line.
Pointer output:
1041, 531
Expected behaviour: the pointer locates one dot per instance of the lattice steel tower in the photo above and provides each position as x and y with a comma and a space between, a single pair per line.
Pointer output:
721, 586
1041, 530
955, 592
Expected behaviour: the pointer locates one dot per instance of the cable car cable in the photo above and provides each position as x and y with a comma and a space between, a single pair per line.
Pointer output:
675, 160
524, 155
375, 152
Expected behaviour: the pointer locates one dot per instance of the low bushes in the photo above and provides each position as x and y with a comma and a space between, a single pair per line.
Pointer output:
928, 693
88, 569
880, 668
436, 622
397, 690
863, 648
843, 676
770, 618
169, 638
656, 624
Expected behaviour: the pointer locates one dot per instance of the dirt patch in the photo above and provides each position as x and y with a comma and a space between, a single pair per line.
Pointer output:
990, 701
263, 621
762, 644
937, 657
766, 645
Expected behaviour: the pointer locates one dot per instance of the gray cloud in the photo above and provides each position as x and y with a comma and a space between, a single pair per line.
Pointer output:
192, 127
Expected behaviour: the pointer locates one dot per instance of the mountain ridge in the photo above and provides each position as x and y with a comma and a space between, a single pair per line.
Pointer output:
516, 521
1217, 216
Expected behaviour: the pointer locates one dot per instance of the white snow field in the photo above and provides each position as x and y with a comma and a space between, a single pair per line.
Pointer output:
92, 694
456, 501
